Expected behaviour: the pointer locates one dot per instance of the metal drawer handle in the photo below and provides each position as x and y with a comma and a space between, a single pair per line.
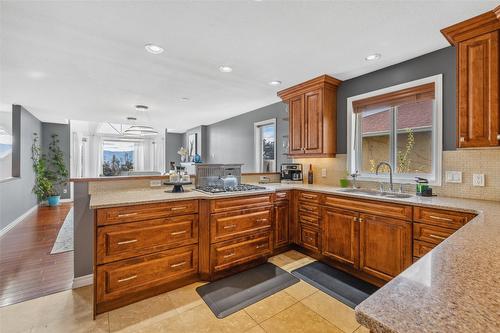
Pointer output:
230, 226
177, 265
361, 219
308, 208
261, 246
308, 196
440, 218
127, 278
437, 237
127, 215
261, 220
229, 255
178, 208
175, 233
355, 219
127, 242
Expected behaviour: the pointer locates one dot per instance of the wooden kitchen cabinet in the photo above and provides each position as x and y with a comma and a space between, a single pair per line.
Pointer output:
385, 246
341, 236
281, 222
312, 116
477, 42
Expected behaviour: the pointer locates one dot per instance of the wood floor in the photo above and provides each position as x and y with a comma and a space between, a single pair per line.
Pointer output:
27, 269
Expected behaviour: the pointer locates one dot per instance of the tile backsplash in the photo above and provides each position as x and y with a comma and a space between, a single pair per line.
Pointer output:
483, 161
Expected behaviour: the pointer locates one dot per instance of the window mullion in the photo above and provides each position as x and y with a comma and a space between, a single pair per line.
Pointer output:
393, 138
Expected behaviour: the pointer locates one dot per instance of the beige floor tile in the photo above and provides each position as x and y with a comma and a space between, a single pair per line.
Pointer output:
186, 298
287, 258
297, 264
300, 290
256, 329
334, 311
298, 318
270, 306
68, 305
201, 320
140, 314
77, 324
362, 329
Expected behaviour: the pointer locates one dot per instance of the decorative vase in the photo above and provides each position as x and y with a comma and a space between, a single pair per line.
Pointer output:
344, 182
54, 200
183, 158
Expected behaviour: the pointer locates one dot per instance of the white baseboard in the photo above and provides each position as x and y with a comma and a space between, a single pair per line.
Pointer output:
16, 221
83, 281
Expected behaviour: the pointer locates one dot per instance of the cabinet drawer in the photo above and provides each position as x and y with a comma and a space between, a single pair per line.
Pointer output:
282, 195
222, 205
224, 226
124, 277
309, 238
431, 233
421, 248
442, 218
309, 197
145, 212
380, 208
232, 253
122, 241
309, 219
305, 207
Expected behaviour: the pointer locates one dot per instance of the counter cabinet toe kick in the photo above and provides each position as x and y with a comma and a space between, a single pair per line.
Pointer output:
147, 249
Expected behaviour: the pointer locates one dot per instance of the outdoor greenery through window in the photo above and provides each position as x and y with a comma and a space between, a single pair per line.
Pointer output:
399, 127
118, 157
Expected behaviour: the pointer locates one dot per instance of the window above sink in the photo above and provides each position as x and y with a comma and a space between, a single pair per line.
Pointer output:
401, 125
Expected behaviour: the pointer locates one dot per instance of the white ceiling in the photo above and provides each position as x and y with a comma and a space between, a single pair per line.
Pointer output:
86, 60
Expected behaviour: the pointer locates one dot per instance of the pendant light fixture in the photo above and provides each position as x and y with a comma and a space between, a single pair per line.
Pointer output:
140, 130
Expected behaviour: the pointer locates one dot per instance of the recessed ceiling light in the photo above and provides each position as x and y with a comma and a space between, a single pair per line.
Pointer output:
141, 107
374, 56
154, 49
184, 99
274, 83
225, 69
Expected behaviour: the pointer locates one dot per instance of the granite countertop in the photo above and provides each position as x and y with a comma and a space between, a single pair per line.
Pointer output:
453, 288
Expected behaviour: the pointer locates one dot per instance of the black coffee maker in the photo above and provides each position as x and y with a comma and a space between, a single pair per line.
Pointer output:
291, 173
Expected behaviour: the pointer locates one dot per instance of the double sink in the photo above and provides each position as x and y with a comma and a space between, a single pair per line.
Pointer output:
376, 193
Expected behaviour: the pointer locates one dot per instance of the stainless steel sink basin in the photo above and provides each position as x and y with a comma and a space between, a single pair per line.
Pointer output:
376, 193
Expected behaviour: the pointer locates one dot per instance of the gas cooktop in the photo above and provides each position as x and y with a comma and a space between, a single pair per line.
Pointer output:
223, 189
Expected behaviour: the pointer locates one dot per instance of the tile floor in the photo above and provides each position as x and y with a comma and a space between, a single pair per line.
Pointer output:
299, 308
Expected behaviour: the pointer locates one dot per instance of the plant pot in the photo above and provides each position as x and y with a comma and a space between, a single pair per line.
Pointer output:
54, 200
344, 183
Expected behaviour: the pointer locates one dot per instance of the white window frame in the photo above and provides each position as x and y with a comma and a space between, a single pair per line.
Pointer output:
437, 134
258, 140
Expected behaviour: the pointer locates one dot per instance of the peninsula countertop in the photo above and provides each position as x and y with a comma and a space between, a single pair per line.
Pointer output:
453, 288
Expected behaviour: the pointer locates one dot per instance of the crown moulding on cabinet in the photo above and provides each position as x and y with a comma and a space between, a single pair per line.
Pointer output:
308, 85
478, 25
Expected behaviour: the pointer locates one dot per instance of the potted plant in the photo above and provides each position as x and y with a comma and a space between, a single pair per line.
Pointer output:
51, 174
344, 182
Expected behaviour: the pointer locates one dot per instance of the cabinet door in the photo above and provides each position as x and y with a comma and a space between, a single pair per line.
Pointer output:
281, 217
313, 115
296, 130
341, 236
385, 246
478, 110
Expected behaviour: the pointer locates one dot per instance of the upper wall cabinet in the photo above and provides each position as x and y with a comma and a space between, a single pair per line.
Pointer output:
313, 117
477, 42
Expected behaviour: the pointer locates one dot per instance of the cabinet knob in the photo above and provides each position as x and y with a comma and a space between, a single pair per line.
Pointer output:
462, 139
498, 136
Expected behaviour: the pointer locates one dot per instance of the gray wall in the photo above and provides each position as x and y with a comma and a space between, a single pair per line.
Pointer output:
438, 62
173, 141
63, 133
232, 140
16, 196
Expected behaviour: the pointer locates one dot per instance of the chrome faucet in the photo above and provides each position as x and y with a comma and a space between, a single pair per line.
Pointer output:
390, 173
354, 181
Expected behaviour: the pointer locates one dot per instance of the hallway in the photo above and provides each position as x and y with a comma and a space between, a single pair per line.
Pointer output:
27, 269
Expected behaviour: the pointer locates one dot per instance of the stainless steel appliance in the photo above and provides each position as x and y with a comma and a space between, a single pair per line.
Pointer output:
291, 173
219, 178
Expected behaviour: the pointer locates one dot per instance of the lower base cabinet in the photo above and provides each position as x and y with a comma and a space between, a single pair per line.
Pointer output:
385, 246
341, 236
281, 224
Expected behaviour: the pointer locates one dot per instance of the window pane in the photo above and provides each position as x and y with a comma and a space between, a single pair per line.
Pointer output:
375, 147
414, 137
268, 135
118, 157
5, 144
